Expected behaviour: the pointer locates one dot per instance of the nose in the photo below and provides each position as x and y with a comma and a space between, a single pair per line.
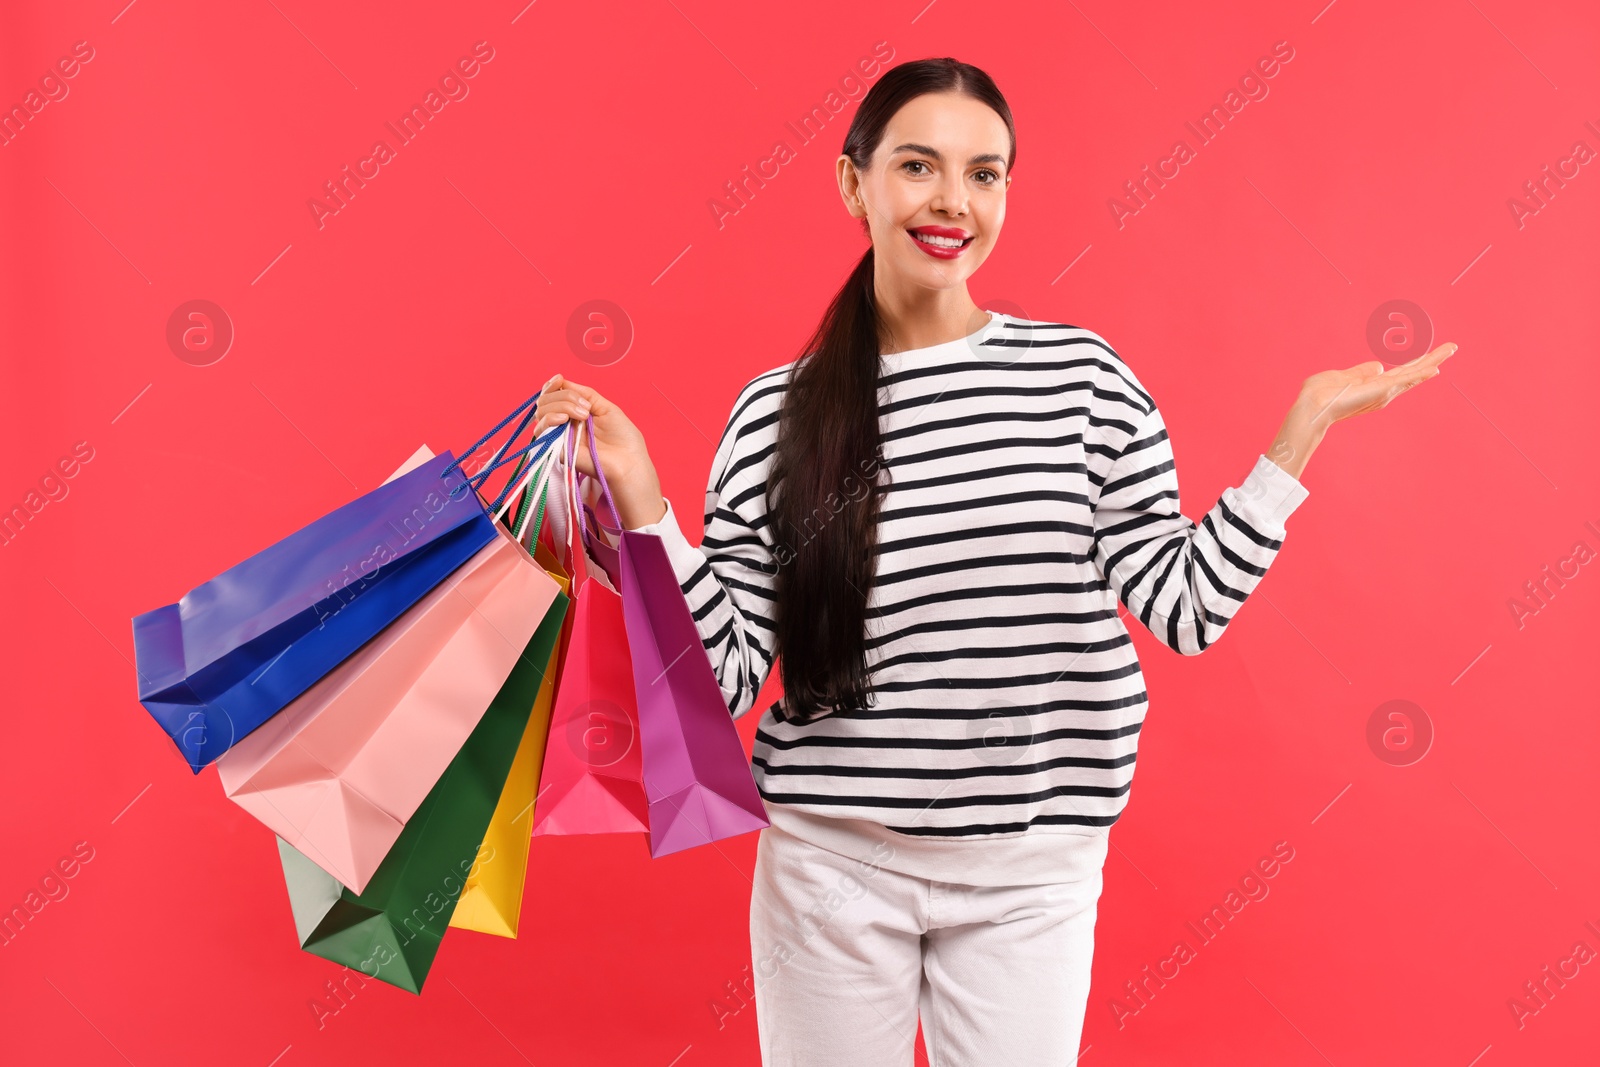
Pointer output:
950, 197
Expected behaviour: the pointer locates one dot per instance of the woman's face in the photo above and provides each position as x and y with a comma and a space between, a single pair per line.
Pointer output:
934, 195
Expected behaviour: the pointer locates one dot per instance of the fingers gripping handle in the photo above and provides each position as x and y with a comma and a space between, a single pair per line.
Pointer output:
605, 487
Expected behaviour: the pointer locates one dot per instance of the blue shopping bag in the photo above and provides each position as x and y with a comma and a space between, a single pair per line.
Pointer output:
238, 649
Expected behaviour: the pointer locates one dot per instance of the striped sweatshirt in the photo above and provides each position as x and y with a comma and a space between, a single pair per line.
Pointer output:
1031, 488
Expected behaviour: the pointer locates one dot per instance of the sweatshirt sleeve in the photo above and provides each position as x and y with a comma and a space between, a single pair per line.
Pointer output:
1183, 581
729, 581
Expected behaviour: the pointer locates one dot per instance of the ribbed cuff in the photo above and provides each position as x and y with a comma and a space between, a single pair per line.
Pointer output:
1269, 495
659, 526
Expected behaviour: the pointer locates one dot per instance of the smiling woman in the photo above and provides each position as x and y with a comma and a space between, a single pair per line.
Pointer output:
928, 520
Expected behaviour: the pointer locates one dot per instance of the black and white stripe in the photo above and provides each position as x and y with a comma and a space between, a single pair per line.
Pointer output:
1032, 486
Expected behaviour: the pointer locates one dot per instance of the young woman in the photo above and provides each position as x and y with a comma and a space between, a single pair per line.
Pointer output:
929, 518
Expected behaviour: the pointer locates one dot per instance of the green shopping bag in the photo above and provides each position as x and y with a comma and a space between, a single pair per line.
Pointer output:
392, 930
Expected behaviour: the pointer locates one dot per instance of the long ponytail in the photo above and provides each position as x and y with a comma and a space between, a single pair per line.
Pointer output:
825, 487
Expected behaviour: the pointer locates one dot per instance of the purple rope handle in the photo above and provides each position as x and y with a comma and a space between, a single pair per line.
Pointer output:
605, 487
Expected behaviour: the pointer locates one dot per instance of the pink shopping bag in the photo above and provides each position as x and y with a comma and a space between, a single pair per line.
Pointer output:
339, 771
590, 780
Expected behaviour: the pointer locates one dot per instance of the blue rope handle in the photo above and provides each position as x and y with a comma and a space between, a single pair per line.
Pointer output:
541, 443
526, 404
538, 447
482, 476
477, 481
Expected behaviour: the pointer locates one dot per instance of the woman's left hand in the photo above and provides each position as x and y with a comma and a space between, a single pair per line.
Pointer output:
1338, 394
1332, 395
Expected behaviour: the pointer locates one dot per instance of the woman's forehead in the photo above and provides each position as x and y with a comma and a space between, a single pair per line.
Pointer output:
950, 123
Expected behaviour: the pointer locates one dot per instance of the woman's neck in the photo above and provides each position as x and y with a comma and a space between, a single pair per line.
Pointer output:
925, 317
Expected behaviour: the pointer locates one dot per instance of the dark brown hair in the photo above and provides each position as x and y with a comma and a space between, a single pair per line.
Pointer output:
823, 489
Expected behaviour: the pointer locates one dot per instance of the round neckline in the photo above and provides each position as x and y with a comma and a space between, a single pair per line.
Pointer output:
971, 340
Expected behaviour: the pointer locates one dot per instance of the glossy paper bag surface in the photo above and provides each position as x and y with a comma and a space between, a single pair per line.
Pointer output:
696, 774
392, 930
590, 782
338, 773
234, 651
491, 903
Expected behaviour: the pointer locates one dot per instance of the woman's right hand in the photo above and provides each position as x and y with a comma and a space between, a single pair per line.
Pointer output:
623, 455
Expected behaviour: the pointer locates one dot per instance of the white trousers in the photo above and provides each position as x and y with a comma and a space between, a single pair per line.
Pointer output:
847, 955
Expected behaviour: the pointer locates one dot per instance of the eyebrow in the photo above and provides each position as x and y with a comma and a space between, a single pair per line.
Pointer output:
925, 150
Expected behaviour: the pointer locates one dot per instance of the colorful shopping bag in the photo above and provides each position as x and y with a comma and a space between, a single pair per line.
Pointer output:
491, 903
695, 776
695, 771
234, 651
590, 782
392, 929
338, 773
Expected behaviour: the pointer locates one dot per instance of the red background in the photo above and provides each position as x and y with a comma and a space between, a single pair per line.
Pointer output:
1420, 898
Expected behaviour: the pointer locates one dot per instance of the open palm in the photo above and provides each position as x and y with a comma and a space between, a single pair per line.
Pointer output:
1339, 394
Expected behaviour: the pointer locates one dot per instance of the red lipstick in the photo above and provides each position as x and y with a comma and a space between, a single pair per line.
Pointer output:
944, 247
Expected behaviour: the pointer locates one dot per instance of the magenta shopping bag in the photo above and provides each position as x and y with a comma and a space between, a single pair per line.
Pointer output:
696, 776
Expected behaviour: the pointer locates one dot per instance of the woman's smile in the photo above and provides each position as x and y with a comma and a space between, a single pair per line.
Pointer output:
941, 242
